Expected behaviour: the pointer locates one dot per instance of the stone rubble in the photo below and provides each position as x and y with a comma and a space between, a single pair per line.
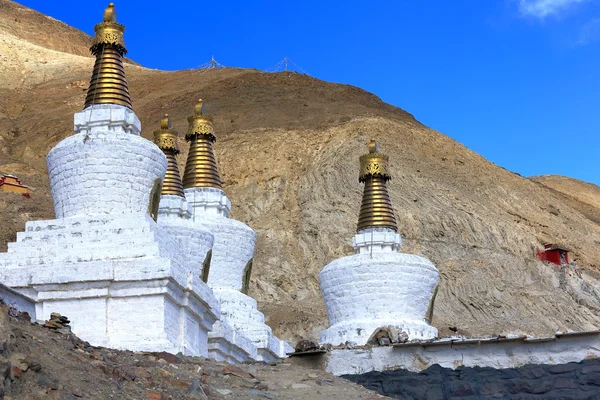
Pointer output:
59, 323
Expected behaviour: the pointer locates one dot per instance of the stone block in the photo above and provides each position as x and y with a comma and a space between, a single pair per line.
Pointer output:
376, 240
208, 202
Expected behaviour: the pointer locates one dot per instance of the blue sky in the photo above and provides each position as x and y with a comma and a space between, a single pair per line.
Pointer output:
517, 81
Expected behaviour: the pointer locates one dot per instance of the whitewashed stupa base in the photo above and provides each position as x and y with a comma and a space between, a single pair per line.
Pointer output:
118, 279
224, 343
377, 287
232, 254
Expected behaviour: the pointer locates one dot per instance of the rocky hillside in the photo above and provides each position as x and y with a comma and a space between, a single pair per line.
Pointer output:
531, 381
38, 363
288, 148
582, 196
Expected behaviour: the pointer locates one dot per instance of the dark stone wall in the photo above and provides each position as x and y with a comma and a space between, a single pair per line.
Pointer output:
573, 381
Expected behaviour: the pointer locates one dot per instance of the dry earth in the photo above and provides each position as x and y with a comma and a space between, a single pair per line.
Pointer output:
288, 148
38, 363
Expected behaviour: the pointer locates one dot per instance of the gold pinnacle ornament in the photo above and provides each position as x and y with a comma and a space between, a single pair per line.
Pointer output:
108, 84
201, 165
166, 139
376, 210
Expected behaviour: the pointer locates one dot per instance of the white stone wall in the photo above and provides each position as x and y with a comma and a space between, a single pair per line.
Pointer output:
229, 345
208, 202
561, 349
193, 241
376, 240
233, 249
364, 292
122, 280
106, 167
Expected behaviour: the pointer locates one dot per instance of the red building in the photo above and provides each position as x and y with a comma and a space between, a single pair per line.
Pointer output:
554, 253
10, 183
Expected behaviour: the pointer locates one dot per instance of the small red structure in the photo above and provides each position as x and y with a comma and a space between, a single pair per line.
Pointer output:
10, 183
554, 253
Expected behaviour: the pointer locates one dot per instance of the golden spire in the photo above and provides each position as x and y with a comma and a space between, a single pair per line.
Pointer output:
166, 139
201, 166
376, 209
108, 84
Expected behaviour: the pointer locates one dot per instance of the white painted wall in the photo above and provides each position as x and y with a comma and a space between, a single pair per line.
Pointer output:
560, 349
122, 280
377, 287
233, 249
106, 167
21, 302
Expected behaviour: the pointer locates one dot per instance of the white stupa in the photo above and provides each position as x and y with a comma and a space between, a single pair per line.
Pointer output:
233, 248
121, 278
377, 286
196, 242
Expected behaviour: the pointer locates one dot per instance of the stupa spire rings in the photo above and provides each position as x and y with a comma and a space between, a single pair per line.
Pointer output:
376, 210
108, 84
166, 139
374, 163
200, 123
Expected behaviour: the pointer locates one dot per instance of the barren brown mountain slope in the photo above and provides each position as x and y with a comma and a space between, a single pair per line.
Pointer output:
288, 148
583, 196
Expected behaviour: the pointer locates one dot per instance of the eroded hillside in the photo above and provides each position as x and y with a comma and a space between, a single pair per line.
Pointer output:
288, 148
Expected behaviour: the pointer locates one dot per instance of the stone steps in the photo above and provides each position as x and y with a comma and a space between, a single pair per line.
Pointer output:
101, 252
77, 239
84, 234
125, 221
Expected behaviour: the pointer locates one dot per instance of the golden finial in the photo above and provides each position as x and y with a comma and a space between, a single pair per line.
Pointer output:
166, 139
201, 166
376, 208
199, 107
108, 84
373, 146
200, 123
165, 123
374, 163
109, 31
110, 14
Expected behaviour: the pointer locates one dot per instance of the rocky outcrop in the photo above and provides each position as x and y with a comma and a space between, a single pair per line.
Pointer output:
564, 381
6, 339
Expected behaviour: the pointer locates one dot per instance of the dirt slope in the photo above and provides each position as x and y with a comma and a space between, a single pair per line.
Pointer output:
288, 148
38, 363
583, 196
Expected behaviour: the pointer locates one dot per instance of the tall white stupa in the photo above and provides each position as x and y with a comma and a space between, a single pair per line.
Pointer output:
378, 286
123, 280
176, 217
234, 241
